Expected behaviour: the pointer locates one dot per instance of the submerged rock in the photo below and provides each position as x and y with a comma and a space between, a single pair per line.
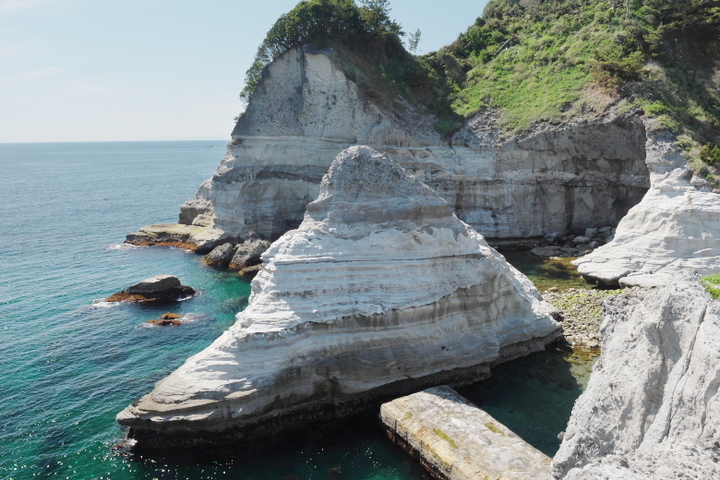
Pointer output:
381, 290
651, 409
160, 288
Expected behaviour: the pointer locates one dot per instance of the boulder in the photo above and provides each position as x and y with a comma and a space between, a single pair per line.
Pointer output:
581, 240
248, 253
161, 288
379, 292
651, 409
220, 256
591, 232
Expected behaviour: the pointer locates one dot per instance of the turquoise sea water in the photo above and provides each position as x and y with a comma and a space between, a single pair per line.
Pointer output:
67, 365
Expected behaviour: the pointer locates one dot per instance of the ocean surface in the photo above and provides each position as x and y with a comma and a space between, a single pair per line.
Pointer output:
69, 362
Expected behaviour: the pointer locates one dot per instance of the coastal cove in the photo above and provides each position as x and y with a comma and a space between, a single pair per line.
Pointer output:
69, 365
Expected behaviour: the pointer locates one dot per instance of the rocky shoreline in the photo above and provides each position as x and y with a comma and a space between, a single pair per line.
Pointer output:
581, 313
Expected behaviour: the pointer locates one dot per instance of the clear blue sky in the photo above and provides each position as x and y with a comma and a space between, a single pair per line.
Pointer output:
100, 70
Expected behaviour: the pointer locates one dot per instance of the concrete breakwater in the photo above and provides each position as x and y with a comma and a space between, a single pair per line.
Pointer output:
456, 440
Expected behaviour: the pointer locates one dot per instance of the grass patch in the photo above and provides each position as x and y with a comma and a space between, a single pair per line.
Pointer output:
712, 285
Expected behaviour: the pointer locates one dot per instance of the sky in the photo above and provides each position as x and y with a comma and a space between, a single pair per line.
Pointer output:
130, 70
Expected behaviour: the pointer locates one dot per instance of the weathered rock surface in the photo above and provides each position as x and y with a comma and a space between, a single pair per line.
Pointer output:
156, 289
247, 254
651, 409
675, 230
381, 290
306, 110
456, 440
220, 256
198, 238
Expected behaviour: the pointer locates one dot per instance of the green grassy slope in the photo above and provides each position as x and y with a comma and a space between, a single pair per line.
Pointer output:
553, 60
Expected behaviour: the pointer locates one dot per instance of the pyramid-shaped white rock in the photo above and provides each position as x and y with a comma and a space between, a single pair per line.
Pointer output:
381, 290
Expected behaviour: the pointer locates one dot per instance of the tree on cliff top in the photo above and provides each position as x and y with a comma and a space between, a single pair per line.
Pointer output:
318, 22
370, 49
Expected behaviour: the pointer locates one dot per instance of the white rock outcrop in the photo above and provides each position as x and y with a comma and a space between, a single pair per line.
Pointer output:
306, 110
675, 230
651, 409
381, 290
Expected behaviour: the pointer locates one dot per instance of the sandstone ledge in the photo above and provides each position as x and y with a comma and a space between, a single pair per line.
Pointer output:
195, 238
456, 440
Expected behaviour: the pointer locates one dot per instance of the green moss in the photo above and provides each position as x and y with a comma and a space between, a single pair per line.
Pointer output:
494, 428
442, 435
712, 285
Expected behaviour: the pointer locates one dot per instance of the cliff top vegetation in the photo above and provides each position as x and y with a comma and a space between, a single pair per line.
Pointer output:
369, 49
533, 61
555, 60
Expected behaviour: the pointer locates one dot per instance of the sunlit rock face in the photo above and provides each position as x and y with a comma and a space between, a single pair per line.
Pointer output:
306, 110
380, 291
674, 230
651, 409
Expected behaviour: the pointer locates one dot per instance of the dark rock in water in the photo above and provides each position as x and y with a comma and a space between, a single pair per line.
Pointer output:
220, 256
161, 288
248, 253
171, 316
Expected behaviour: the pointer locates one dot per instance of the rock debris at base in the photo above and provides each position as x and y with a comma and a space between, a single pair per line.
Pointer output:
582, 312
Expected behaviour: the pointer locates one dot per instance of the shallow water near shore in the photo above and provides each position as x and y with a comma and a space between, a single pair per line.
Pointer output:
69, 364
547, 272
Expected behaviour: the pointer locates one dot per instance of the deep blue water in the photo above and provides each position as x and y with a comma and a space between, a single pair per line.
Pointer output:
68, 365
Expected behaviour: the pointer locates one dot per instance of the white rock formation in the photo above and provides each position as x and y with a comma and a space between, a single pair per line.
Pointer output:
380, 290
651, 409
306, 110
674, 230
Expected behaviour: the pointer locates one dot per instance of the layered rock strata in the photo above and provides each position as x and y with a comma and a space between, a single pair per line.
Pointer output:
456, 440
651, 409
674, 230
306, 110
380, 290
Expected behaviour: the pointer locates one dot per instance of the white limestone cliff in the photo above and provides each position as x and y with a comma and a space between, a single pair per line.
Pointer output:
381, 290
306, 110
651, 409
673, 231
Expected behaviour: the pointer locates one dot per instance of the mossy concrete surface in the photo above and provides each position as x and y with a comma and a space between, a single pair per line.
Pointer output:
456, 440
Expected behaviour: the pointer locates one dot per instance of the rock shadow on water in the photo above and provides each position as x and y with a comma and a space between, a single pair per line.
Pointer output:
348, 449
534, 396
547, 273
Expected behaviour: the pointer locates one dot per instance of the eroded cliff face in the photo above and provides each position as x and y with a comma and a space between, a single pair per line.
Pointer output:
380, 291
651, 409
674, 230
306, 110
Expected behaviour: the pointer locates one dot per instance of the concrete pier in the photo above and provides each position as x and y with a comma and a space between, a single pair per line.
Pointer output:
456, 440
